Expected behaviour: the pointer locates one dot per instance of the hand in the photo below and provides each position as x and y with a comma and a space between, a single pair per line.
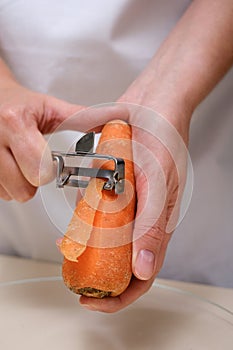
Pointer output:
24, 117
160, 168
160, 155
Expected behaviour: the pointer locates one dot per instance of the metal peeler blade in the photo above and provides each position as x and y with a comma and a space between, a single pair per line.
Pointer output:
86, 143
69, 175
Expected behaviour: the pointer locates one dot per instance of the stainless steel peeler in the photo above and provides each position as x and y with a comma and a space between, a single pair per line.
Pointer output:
68, 175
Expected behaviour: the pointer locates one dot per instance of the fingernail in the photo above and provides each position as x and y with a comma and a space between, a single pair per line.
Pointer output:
145, 263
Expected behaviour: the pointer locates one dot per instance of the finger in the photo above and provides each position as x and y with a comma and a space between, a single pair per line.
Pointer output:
56, 112
33, 156
4, 195
94, 118
109, 305
12, 179
29, 146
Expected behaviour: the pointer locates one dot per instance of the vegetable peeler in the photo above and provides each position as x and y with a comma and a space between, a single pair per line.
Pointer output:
69, 175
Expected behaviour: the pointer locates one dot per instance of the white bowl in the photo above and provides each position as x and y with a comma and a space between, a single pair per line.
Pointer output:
43, 314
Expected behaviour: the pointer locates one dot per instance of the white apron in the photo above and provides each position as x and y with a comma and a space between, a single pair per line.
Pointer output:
89, 52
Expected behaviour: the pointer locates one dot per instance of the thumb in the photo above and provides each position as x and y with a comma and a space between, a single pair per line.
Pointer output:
149, 236
151, 215
149, 250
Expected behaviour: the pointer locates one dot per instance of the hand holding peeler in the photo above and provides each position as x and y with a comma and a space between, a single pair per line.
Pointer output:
69, 175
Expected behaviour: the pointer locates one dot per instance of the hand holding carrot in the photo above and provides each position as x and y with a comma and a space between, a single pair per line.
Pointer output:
160, 178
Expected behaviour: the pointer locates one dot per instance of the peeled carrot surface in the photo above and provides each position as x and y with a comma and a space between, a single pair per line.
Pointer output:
97, 246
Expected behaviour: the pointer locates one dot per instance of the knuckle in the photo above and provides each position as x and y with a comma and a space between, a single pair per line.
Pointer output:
10, 114
11, 120
152, 239
15, 117
155, 234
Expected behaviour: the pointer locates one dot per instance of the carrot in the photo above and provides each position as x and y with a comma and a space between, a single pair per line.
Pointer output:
97, 246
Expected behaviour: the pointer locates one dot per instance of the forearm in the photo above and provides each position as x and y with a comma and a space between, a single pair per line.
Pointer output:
190, 62
199, 51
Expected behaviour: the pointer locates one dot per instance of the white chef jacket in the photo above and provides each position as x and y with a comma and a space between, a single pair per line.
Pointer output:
87, 53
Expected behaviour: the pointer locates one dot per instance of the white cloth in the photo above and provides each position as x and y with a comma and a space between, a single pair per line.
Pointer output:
88, 53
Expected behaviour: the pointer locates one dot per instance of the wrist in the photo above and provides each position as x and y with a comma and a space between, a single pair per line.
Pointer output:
164, 99
176, 109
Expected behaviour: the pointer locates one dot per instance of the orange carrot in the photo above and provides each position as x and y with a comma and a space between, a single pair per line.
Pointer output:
97, 246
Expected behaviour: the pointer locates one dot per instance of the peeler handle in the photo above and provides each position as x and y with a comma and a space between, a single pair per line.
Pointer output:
84, 148
68, 175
